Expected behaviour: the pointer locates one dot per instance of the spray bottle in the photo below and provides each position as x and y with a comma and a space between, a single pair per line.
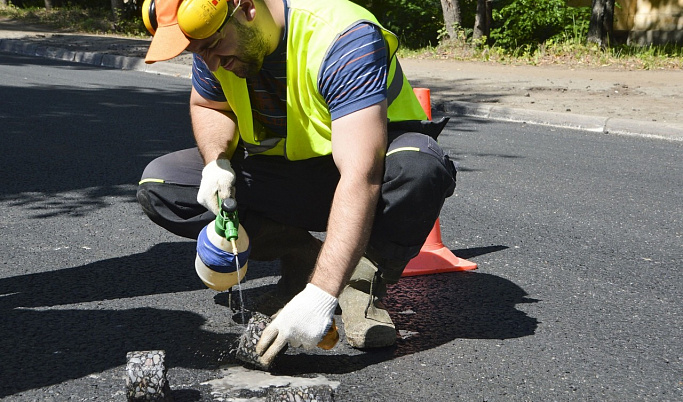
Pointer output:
223, 249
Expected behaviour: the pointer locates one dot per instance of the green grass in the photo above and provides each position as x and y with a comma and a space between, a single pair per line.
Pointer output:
570, 52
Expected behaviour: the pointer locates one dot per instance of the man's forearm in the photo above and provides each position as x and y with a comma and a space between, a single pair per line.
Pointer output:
214, 127
349, 228
358, 148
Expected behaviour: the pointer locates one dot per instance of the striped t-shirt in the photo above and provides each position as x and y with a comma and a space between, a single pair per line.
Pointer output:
353, 77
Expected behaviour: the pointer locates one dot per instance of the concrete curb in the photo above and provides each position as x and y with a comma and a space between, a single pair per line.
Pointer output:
95, 59
599, 124
673, 132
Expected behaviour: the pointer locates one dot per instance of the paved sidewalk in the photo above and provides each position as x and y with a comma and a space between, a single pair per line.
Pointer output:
607, 100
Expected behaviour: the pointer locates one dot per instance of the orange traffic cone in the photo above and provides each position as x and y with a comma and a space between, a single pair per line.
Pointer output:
434, 257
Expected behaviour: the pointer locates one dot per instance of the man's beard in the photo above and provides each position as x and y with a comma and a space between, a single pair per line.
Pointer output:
253, 49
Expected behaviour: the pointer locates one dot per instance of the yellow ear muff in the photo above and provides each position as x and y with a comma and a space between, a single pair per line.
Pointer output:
149, 16
200, 19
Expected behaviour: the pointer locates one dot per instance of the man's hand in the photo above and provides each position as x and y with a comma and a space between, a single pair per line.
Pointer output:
218, 179
302, 322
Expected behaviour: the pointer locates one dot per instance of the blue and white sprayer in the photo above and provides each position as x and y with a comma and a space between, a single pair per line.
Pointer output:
223, 250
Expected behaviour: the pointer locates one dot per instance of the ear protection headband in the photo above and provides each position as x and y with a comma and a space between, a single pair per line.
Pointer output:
198, 19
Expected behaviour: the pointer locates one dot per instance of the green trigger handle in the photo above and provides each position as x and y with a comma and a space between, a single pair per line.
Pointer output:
227, 221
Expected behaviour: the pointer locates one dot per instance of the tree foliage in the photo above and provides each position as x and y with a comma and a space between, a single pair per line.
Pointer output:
63, 3
528, 23
417, 24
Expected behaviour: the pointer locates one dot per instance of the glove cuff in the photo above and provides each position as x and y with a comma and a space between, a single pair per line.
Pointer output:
220, 163
324, 303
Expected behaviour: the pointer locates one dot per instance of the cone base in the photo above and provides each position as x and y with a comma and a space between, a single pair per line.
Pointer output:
436, 260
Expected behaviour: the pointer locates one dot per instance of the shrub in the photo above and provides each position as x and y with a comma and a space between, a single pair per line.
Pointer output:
528, 23
416, 23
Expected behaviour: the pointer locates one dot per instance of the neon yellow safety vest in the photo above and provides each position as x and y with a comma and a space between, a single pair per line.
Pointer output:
313, 27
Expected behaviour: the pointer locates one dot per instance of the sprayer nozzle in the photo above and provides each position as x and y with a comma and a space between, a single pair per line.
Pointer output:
229, 205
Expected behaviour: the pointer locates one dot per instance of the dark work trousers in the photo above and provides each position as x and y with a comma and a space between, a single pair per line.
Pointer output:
418, 177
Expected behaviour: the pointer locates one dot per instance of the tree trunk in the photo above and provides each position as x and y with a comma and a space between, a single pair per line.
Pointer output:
48, 5
601, 26
482, 20
451, 17
117, 9
608, 21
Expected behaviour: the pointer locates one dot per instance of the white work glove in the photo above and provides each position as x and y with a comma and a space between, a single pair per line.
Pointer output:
218, 178
302, 322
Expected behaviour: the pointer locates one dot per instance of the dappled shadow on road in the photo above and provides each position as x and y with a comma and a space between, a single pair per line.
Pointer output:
42, 348
56, 326
65, 149
162, 269
457, 89
458, 123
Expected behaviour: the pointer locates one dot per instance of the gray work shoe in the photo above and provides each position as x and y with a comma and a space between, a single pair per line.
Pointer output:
367, 323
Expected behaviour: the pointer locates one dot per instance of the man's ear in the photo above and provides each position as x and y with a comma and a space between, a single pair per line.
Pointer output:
247, 8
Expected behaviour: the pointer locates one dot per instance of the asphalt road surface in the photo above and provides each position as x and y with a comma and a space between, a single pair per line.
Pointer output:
578, 238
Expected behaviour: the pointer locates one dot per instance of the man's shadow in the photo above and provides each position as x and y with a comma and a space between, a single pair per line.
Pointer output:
429, 311
53, 328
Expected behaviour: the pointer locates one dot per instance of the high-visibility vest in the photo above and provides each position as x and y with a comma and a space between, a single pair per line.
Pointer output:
312, 28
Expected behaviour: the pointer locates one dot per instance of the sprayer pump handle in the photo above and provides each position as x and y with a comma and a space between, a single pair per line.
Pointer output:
229, 205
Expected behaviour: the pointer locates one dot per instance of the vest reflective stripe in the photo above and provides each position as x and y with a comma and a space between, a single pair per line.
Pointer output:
311, 33
264, 146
